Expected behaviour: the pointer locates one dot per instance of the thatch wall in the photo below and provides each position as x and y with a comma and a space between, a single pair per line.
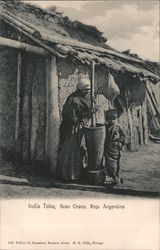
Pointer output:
33, 108
8, 78
32, 120
131, 106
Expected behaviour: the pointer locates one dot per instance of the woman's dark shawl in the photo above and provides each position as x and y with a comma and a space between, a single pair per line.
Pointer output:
74, 111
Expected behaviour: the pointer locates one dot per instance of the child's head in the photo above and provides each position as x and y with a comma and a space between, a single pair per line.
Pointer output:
111, 116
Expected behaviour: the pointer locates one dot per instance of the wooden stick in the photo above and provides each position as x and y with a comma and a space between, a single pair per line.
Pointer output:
18, 98
23, 46
17, 23
130, 122
52, 116
48, 68
144, 121
18, 123
93, 117
141, 125
24, 23
23, 30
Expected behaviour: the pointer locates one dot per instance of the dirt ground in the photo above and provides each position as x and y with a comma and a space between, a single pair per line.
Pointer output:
140, 171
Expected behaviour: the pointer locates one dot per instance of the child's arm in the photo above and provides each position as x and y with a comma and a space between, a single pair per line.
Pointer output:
121, 137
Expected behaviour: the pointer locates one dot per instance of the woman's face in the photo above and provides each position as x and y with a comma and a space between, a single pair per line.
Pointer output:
84, 92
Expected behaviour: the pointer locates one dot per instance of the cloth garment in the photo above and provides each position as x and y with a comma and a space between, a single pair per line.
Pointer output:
71, 157
75, 114
114, 141
83, 84
109, 89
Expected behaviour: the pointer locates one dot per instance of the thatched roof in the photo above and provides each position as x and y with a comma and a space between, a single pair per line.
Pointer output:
66, 38
54, 23
154, 67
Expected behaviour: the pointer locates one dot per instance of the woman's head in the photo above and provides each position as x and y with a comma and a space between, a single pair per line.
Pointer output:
83, 86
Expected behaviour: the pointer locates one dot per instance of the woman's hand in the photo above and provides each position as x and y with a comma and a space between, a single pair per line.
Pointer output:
95, 109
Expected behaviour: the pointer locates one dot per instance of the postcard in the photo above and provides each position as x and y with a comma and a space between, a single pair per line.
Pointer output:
79, 125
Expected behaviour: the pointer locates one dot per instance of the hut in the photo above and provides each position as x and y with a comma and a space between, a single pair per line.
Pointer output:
153, 100
152, 92
42, 55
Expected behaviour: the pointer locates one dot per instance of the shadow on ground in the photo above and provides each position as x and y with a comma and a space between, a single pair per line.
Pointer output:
140, 171
48, 183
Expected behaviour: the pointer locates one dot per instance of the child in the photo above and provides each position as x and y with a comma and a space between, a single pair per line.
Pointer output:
114, 142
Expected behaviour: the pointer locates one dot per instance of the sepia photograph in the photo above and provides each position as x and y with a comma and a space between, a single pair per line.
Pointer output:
79, 124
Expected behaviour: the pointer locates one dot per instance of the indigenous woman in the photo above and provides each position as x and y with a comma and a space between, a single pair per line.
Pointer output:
114, 141
76, 112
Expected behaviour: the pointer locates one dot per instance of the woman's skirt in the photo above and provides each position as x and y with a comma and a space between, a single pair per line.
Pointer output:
70, 158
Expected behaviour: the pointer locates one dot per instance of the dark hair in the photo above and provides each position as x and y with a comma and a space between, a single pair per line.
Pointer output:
111, 113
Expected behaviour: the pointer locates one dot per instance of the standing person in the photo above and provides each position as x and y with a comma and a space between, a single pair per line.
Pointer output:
76, 112
115, 139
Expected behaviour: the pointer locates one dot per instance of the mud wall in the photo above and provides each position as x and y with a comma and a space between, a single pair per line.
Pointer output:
132, 111
68, 75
